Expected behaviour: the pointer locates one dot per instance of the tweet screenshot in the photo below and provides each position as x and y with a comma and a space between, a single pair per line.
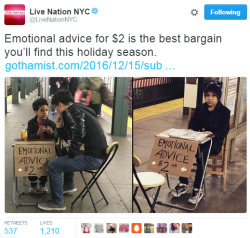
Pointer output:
124, 118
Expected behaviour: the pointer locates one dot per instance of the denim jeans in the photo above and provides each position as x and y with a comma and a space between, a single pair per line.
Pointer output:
68, 166
97, 108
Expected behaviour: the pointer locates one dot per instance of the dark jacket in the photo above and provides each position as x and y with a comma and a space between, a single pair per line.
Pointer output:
217, 122
73, 84
64, 84
82, 127
33, 128
53, 86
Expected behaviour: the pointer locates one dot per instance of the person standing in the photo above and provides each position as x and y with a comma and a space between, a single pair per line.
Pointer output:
64, 84
73, 84
55, 84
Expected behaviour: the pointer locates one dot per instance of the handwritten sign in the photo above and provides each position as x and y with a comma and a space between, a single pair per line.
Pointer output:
31, 158
173, 156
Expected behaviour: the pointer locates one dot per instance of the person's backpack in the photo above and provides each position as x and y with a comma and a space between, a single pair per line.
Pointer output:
83, 96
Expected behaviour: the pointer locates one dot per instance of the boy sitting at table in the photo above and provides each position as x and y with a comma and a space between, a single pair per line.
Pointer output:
212, 118
40, 127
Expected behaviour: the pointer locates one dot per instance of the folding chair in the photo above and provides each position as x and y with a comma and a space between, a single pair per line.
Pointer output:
146, 181
110, 151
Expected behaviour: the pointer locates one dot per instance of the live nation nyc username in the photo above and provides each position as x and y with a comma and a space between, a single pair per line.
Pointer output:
60, 11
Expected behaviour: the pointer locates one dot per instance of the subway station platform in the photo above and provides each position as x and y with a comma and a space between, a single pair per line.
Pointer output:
145, 127
115, 181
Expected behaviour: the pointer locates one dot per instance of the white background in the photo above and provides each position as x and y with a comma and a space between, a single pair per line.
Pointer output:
230, 58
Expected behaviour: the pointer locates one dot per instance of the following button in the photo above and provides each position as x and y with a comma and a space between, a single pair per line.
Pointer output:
225, 12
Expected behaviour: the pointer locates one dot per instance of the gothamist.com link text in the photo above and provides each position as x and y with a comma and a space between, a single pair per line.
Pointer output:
86, 65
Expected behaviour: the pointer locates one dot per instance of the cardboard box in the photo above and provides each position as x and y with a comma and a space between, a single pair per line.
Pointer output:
172, 156
31, 157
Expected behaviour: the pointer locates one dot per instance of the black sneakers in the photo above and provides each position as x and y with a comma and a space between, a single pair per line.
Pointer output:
194, 198
182, 188
179, 190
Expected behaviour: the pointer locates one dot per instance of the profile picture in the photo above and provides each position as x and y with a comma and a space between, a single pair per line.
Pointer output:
14, 14
148, 228
123, 228
174, 228
98, 228
86, 228
111, 228
136, 228
186, 227
161, 227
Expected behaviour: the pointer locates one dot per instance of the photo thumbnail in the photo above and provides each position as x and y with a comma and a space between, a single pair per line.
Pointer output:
189, 144
69, 145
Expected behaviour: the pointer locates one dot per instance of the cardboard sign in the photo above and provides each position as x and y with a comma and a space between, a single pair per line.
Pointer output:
173, 156
31, 157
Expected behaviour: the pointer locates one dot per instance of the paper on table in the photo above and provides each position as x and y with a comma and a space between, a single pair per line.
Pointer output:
185, 134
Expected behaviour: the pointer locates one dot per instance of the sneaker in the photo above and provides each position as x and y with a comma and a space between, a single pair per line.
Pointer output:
101, 115
33, 188
50, 206
194, 197
179, 190
69, 188
43, 189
